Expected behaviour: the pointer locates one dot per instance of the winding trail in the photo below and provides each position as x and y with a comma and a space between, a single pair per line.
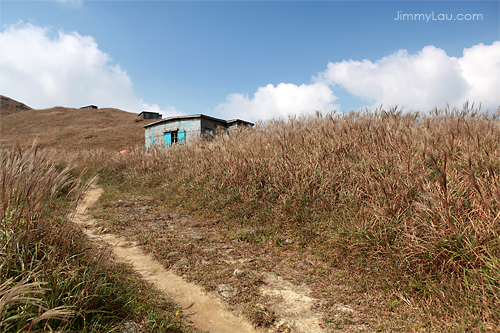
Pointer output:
205, 310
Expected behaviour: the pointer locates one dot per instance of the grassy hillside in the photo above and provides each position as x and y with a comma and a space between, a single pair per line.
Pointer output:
409, 203
52, 278
69, 129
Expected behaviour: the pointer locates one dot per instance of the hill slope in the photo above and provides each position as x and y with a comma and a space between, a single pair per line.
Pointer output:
68, 128
8, 106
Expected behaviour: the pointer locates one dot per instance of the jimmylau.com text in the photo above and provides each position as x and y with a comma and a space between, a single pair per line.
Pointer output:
400, 16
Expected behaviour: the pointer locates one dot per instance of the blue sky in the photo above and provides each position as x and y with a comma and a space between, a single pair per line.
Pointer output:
249, 59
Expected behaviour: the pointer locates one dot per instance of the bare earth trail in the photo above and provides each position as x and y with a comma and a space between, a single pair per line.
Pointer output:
252, 287
206, 311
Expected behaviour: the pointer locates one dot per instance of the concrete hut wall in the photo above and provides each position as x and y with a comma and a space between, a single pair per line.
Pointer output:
233, 126
155, 134
212, 125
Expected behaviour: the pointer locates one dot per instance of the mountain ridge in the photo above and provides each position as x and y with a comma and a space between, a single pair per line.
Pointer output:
69, 128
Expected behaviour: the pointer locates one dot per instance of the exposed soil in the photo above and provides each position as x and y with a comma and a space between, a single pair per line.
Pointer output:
206, 312
277, 306
296, 305
227, 279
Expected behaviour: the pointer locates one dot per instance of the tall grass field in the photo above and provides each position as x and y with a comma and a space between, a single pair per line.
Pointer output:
408, 201
51, 277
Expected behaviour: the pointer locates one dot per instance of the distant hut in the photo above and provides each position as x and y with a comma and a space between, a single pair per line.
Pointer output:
89, 107
149, 115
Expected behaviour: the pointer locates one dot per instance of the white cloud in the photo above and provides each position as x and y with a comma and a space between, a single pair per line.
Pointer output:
66, 70
419, 81
281, 100
166, 112
422, 81
481, 68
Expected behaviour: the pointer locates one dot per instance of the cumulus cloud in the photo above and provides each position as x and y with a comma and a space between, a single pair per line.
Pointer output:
66, 70
424, 80
481, 68
281, 100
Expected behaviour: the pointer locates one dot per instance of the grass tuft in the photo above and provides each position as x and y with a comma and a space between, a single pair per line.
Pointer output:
51, 277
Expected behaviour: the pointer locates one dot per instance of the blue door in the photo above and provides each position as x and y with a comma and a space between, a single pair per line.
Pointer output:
168, 139
182, 137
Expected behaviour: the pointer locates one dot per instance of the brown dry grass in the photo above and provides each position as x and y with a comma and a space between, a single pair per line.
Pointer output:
410, 202
66, 128
82, 289
8, 106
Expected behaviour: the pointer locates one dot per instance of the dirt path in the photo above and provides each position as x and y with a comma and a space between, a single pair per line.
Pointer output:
206, 311
239, 280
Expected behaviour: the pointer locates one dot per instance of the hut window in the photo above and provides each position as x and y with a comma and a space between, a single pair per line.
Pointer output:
209, 133
175, 137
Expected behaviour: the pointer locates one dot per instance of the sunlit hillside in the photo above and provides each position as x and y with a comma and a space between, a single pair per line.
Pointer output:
68, 128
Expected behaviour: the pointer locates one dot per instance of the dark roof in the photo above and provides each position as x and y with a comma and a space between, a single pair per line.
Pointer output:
227, 122
148, 112
89, 106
